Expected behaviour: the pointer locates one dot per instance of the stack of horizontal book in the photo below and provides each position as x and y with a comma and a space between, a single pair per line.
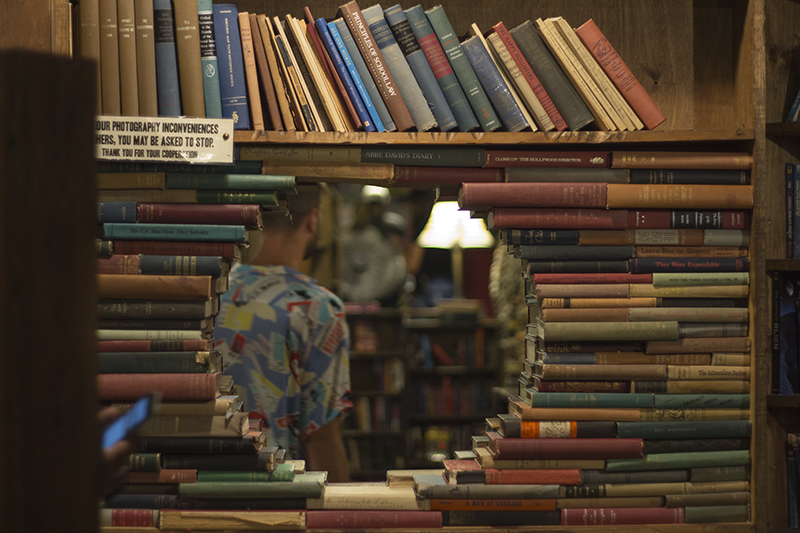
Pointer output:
370, 70
161, 270
637, 371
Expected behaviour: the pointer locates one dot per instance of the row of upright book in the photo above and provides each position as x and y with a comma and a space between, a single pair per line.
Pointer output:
374, 70
633, 400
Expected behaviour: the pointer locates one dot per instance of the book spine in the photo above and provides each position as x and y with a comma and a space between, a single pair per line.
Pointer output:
109, 70
720, 474
247, 215
620, 75
129, 517
152, 345
514, 217
680, 196
284, 122
399, 68
372, 519
544, 448
540, 195
128, 69
208, 59
796, 211
645, 265
583, 400
232, 84
149, 363
690, 279
667, 461
535, 267
581, 331
606, 516
603, 372
582, 386
685, 429
307, 121
166, 475
347, 73
508, 504
200, 445
514, 158
190, 70
700, 345
168, 86
694, 445
442, 71
539, 237
404, 35
171, 386
165, 232
118, 264
686, 176
544, 279
595, 302
442, 176
263, 199
181, 265
682, 160
534, 252
116, 212
222, 249
143, 501
250, 72
494, 86
790, 208
166, 287
499, 518
691, 251
243, 182
677, 219
552, 77
476, 96
535, 477
377, 66
89, 39
152, 309
367, 87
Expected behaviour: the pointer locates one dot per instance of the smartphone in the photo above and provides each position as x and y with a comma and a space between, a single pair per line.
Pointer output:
131, 419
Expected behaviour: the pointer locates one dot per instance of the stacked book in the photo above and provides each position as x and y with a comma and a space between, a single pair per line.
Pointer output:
636, 378
370, 70
164, 262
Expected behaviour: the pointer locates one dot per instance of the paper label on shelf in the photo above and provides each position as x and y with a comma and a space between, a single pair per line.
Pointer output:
164, 139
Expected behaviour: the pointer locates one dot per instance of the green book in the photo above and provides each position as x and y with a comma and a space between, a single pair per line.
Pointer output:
476, 96
240, 182
718, 513
251, 489
701, 401
719, 473
279, 474
569, 399
215, 196
671, 461
700, 278
602, 331
174, 232
684, 429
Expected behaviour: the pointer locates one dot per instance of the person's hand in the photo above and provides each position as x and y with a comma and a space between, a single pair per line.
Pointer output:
114, 458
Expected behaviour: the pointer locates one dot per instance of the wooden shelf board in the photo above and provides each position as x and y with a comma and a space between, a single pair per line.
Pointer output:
496, 138
781, 130
783, 264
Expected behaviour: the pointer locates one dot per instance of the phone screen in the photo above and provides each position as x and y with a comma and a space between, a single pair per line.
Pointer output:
132, 418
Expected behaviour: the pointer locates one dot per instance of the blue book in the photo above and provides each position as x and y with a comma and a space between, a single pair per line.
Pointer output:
346, 76
472, 87
167, 84
399, 69
343, 31
116, 212
174, 232
208, 59
794, 112
232, 84
413, 53
440, 66
495, 86
587, 399
568, 358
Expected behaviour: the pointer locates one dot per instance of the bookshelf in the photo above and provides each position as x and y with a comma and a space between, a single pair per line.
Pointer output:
721, 71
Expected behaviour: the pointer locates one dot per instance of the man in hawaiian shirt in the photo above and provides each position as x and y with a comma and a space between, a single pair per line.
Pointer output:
284, 339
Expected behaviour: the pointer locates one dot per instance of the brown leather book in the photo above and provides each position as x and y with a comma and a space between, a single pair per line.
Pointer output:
264, 76
146, 58
277, 81
161, 287
251, 72
190, 68
377, 66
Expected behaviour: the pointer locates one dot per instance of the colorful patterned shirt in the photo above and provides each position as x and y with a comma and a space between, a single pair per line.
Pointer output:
284, 339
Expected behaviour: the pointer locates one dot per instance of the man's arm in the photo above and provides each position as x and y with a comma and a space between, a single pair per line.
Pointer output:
324, 450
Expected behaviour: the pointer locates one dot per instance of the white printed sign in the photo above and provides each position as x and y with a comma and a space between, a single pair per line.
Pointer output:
164, 139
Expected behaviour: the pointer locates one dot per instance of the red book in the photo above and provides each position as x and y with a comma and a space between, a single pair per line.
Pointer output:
541, 385
190, 345
622, 77
530, 77
504, 504
554, 218
223, 214
590, 279
518, 158
532, 194
571, 476
118, 264
621, 515
700, 345
165, 475
669, 219
129, 517
373, 519
172, 386
443, 176
221, 249
556, 448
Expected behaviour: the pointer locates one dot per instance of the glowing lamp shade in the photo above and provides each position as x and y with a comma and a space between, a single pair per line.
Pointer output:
448, 226
451, 228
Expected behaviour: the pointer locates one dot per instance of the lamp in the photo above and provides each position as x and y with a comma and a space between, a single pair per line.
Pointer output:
451, 228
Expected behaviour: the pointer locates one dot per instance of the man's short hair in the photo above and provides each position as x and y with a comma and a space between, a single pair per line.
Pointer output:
300, 205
